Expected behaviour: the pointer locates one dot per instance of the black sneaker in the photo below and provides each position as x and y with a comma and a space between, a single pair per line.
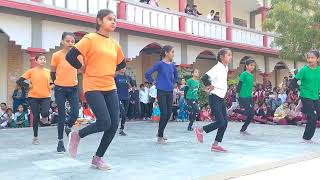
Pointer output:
122, 133
60, 148
67, 130
190, 129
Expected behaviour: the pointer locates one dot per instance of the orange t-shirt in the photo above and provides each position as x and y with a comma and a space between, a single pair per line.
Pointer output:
39, 82
66, 75
101, 57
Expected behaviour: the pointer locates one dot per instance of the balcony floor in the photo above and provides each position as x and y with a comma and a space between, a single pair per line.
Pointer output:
138, 157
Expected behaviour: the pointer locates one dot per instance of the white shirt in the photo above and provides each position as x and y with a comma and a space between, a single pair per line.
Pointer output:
283, 97
144, 96
153, 91
218, 76
209, 17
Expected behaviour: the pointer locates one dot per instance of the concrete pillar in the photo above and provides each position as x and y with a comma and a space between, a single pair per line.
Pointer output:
182, 19
228, 19
123, 41
36, 34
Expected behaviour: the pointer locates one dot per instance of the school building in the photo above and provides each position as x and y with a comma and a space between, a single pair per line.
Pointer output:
29, 27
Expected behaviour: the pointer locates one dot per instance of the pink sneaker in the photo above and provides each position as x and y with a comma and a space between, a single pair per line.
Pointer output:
308, 142
218, 149
98, 163
199, 135
73, 143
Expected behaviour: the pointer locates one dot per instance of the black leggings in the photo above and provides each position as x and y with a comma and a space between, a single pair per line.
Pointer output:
124, 106
311, 109
247, 104
194, 111
165, 100
39, 105
62, 94
144, 110
218, 107
105, 106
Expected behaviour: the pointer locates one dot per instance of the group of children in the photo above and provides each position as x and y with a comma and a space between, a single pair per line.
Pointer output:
98, 57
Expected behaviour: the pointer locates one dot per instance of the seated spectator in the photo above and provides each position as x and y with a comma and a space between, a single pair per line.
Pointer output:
263, 113
153, 3
3, 109
20, 118
283, 96
6, 119
195, 11
188, 10
53, 117
294, 116
210, 16
293, 97
281, 114
216, 17
274, 101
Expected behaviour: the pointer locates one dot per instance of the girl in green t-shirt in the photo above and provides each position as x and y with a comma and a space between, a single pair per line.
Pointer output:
191, 93
245, 93
309, 77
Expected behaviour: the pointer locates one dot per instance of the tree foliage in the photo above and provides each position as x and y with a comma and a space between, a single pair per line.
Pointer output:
297, 25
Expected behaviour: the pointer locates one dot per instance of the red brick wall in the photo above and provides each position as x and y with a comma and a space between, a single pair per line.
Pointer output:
14, 68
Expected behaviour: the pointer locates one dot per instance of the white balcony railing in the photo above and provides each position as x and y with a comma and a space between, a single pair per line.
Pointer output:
152, 17
86, 6
247, 36
159, 18
204, 28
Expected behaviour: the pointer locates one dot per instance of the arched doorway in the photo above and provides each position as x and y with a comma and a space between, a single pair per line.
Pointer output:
148, 56
279, 72
205, 61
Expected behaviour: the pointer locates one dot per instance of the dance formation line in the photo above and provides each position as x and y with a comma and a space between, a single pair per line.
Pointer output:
99, 57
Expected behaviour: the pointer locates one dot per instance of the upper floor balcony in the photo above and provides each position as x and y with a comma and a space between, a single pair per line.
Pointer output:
240, 21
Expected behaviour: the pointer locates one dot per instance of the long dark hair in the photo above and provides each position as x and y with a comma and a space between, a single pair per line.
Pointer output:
65, 34
221, 53
101, 14
248, 61
164, 50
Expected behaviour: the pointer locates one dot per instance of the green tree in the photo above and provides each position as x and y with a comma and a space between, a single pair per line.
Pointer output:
297, 25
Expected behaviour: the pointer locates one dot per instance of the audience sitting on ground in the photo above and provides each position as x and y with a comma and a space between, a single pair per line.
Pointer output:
21, 118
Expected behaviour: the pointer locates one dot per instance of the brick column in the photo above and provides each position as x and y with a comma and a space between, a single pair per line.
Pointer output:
228, 19
182, 19
33, 52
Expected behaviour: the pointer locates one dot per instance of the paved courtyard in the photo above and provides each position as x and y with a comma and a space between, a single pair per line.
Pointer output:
138, 157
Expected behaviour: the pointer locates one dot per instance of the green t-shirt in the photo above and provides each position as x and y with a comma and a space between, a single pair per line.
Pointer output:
193, 89
310, 82
247, 84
